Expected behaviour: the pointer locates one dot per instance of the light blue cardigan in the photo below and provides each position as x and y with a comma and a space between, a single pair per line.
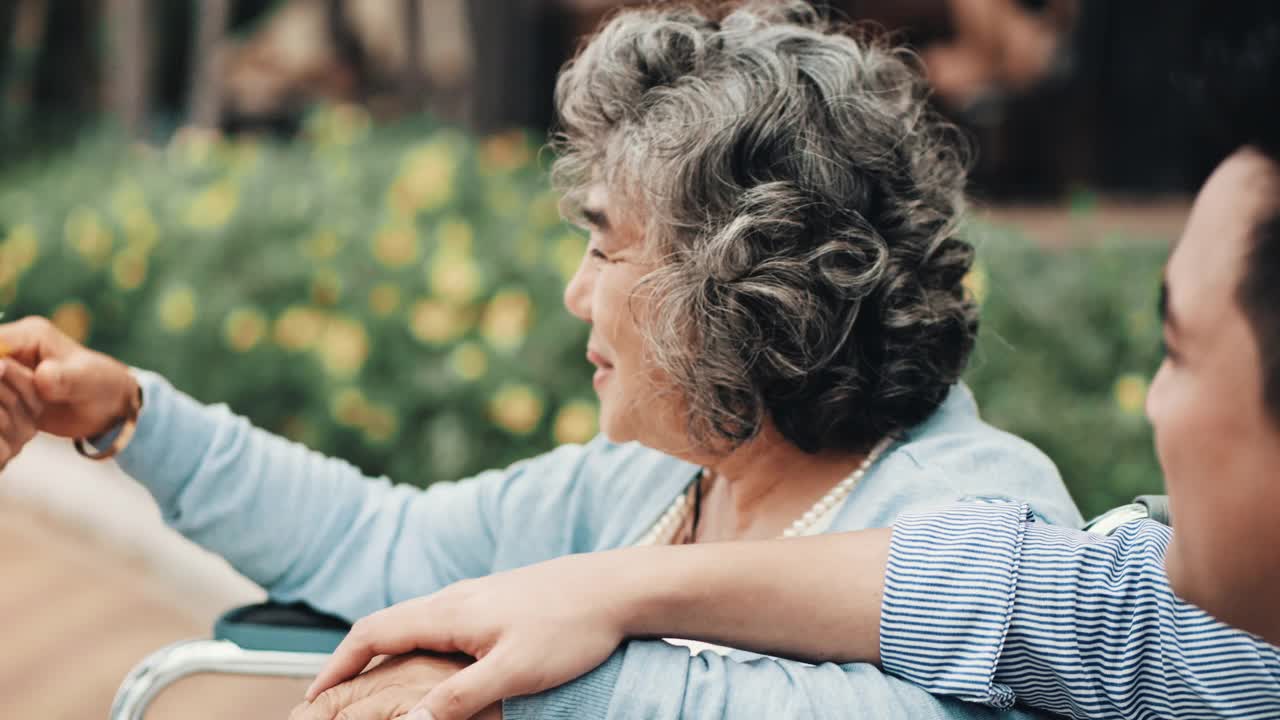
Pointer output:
312, 528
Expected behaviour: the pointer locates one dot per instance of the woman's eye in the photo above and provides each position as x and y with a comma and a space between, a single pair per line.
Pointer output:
596, 254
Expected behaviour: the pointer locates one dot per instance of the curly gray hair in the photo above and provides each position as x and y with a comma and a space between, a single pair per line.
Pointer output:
804, 202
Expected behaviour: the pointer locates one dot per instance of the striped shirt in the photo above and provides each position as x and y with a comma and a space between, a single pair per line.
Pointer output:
984, 603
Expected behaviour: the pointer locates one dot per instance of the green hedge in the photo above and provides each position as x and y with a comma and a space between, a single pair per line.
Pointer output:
1069, 341
393, 297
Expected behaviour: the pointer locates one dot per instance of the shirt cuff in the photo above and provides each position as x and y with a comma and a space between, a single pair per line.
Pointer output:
647, 677
948, 596
586, 698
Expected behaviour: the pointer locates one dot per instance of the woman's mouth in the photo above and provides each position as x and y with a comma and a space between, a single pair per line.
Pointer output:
604, 368
601, 377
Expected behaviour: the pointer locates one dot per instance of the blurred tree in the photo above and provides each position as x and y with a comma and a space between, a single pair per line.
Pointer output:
129, 60
205, 106
510, 83
22, 25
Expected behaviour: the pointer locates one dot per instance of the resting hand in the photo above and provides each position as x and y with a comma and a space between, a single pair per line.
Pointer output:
20, 409
530, 629
84, 392
388, 690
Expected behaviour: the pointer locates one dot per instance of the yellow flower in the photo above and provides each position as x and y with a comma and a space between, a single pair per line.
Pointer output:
340, 169
321, 246
326, 287
88, 236
129, 269
506, 319
396, 245
73, 319
380, 424
349, 122
244, 154
244, 329
349, 407
567, 255
213, 207
516, 409
544, 210
384, 298
127, 198
434, 321
505, 152
299, 327
503, 198
196, 146
469, 361
178, 309
454, 276
22, 247
529, 248
344, 346
1130, 393
576, 423
339, 125
455, 235
976, 283
140, 229
425, 181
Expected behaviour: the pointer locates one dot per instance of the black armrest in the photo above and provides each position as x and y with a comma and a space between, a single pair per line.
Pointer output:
279, 627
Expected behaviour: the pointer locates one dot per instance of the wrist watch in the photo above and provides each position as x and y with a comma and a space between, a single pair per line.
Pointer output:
123, 429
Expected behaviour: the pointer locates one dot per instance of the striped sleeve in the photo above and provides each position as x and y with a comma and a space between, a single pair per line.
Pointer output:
985, 604
948, 592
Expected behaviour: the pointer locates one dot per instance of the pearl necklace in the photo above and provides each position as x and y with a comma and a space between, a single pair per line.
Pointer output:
679, 508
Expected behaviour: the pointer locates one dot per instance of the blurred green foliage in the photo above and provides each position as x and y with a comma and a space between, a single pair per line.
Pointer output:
393, 297
1069, 341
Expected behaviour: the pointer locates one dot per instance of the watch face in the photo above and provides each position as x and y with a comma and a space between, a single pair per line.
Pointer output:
1109, 521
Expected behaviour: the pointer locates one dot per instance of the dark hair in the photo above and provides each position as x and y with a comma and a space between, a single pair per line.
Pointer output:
1237, 87
804, 203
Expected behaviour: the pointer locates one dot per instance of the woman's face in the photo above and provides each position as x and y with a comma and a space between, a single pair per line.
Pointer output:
602, 293
1219, 448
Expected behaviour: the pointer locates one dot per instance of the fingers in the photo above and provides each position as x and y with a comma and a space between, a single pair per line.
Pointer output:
64, 369
21, 381
10, 408
386, 704
33, 339
396, 630
20, 409
473, 689
63, 380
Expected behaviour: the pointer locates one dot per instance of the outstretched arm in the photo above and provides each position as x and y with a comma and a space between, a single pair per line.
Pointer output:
977, 602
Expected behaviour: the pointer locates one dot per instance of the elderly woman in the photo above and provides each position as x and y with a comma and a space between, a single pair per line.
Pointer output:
773, 285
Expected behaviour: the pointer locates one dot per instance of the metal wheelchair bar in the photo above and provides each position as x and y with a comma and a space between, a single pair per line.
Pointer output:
170, 664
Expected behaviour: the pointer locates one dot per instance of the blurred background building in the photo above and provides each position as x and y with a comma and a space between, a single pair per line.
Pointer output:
1063, 94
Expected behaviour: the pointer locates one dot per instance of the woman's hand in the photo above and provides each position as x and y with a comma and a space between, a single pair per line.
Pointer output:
387, 691
84, 392
529, 630
20, 409
540, 626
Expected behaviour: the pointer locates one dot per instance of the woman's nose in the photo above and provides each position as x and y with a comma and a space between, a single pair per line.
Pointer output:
577, 294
